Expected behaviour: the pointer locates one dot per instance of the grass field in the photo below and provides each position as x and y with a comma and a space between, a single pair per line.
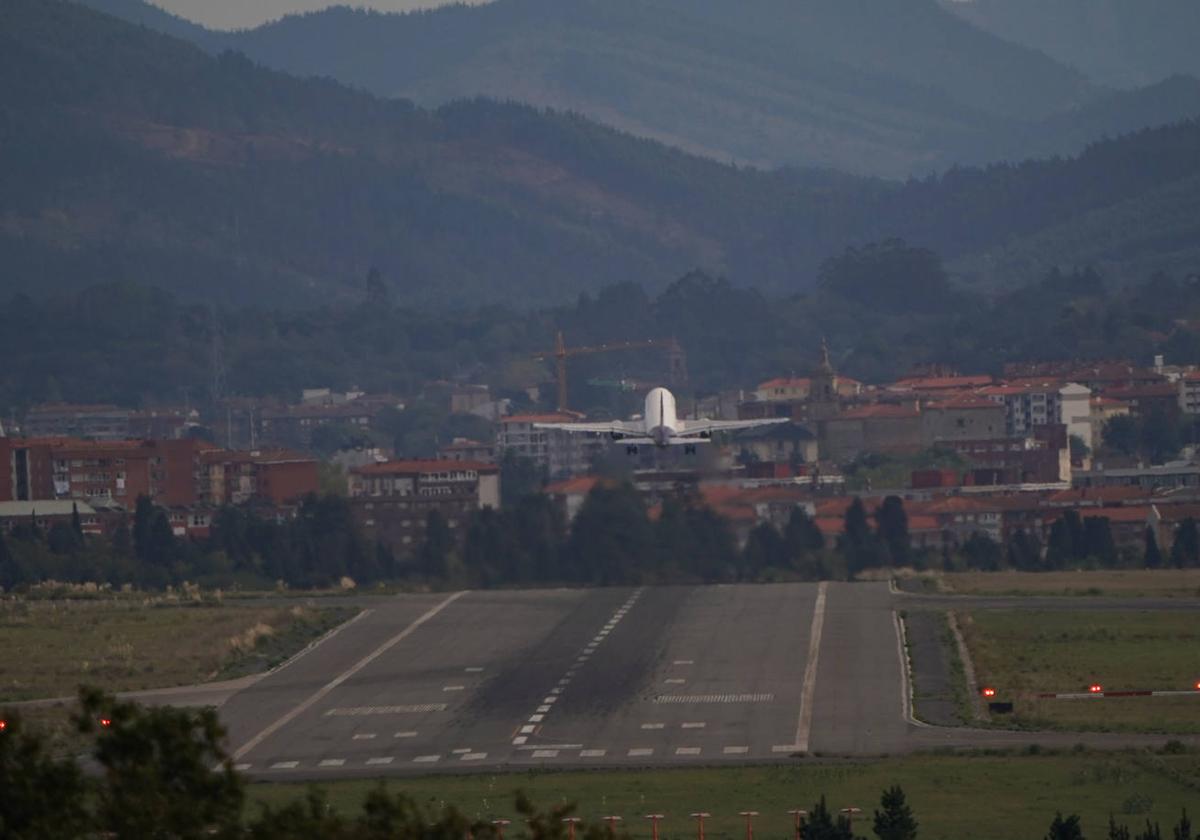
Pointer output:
997, 797
1024, 653
1160, 583
126, 645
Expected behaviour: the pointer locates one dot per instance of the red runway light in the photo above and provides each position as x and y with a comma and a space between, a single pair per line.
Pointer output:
106, 721
1095, 688
3, 725
1198, 685
989, 692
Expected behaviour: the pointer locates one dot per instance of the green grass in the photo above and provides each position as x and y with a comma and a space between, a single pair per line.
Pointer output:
1139, 583
1025, 653
121, 644
982, 797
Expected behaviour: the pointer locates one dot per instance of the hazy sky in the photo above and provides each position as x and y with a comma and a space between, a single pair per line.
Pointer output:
236, 14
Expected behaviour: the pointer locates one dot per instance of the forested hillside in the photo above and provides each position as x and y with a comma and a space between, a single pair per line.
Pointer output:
128, 156
885, 87
1123, 43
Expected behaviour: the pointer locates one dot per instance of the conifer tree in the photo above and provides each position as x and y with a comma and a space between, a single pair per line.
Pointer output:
894, 820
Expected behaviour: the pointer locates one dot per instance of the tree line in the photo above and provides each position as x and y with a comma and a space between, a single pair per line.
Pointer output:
613, 540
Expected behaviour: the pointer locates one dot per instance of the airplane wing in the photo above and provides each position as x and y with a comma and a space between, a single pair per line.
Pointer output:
697, 428
613, 427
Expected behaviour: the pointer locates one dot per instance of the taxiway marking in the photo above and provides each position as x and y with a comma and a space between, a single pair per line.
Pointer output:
324, 690
804, 724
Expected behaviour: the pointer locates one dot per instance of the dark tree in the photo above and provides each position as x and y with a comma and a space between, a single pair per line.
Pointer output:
1065, 828
1121, 433
1098, 540
1185, 551
894, 819
159, 776
41, 795
611, 538
76, 522
1151, 556
437, 547
1117, 831
983, 552
858, 544
892, 523
1024, 553
765, 549
821, 824
1183, 829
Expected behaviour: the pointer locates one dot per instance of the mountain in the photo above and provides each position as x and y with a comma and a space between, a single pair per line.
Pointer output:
1120, 43
131, 156
883, 87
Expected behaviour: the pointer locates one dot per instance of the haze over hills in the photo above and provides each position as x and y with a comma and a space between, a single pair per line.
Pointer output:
1121, 43
883, 87
132, 156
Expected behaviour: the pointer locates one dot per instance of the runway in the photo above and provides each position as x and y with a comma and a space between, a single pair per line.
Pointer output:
658, 676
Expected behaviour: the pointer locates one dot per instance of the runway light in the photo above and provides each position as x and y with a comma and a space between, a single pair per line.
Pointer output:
106, 722
1197, 685
988, 691
1095, 688
3, 725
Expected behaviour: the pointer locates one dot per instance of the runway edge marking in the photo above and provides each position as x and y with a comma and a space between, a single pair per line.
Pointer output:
320, 693
804, 724
315, 643
906, 684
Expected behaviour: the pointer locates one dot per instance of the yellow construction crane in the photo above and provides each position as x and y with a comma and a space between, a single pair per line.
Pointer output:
676, 359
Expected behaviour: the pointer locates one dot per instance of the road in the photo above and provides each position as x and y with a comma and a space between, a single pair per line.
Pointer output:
510, 680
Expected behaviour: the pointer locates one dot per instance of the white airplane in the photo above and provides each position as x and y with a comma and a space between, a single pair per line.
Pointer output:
660, 425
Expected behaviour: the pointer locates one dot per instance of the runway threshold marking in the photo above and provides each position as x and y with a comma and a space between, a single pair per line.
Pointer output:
804, 724
324, 690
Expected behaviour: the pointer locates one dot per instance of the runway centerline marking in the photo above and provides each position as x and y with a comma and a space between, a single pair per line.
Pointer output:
653, 725
364, 736
545, 753
285, 765
640, 752
693, 725
427, 759
324, 690
405, 735
375, 762
804, 724
581, 659
736, 750
358, 711
687, 751
593, 753
475, 756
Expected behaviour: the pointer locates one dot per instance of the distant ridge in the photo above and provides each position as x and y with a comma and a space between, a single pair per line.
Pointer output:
130, 156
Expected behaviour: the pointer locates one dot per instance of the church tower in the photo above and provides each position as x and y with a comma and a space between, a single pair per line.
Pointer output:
823, 388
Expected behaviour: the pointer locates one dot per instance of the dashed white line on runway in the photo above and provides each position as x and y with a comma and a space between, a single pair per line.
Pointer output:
675, 681
527, 729
736, 750
376, 762
545, 753
687, 751
475, 756
519, 740
408, 734
786, 748
593, 753
536, 718
460, 751
453, 687
331, 762
285, 765
427, 759
543, 709
684, 662
363, 736
640, 752
241, 767
324, 690
473, 669
693, 725
653, 725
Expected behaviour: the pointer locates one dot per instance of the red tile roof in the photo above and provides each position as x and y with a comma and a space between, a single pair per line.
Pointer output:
942, 383
573, 486
878, 411
542, 418
420, 467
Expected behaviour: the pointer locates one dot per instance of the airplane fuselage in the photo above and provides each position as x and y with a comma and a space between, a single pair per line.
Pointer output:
662, 422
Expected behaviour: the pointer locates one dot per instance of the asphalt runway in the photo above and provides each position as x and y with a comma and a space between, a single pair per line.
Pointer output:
619, 677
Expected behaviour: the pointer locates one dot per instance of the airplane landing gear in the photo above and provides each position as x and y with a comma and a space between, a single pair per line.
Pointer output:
689, 449
631, 450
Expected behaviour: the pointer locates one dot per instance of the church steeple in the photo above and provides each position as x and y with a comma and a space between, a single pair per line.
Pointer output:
823, 388
825, 366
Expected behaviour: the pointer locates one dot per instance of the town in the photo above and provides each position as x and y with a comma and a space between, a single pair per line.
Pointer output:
973, 458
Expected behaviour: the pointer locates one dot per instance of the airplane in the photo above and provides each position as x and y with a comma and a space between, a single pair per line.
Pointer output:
660, 426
